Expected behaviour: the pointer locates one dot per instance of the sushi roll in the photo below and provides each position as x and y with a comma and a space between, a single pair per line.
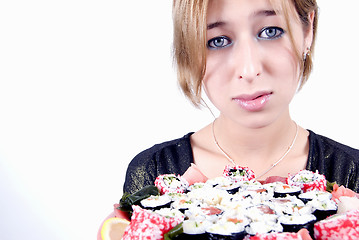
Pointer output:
210, 196
226, 231
185, 203
258, 194
231, 188
308, 180
235, 203
290, 206
219, 181
236, 224
315, 194
170, 183
323, 209
262, 212
248, 184
284, 190
156, 202
150, 225
238, 173
169, 213
194, 229
197, 186
175, 196
203, 213
293, 223
262, 227
343, 226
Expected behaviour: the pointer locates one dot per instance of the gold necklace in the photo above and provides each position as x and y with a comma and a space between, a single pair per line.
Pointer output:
272, 166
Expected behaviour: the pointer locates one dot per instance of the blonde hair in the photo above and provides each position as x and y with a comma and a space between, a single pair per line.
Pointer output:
190, 43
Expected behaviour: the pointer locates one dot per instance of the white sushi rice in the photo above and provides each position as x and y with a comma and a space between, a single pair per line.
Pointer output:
284, 188
296, 219
323, 205
253, 208
155, 201
264, 227
225, 228
168, 212
195, 226
315, 194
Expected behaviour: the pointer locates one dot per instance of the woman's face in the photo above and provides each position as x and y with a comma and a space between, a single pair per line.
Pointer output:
252, 72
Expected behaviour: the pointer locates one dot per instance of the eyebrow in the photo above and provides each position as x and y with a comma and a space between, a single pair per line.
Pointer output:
265, 13
215, 24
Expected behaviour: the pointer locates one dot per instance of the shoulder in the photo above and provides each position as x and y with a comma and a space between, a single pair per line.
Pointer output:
330, 147
173, 156
169, 149
338, 162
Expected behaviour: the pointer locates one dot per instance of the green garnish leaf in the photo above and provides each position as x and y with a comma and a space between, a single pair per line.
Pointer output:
174, 232
330, 186
128, 200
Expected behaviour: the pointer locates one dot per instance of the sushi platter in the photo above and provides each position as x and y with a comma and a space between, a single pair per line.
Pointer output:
237, 206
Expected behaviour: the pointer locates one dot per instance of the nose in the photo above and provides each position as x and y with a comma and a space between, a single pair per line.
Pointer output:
248, 63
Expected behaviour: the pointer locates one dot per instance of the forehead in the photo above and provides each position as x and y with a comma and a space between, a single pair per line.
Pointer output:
222, 9
239, 7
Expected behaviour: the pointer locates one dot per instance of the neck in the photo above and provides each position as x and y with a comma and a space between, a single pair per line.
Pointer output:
260, 144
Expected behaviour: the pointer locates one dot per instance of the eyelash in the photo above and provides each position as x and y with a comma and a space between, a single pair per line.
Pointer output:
211, 43
278, 33
225, 41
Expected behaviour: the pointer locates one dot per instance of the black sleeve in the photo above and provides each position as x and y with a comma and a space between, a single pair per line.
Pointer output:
140, 173
339, 163
173, 157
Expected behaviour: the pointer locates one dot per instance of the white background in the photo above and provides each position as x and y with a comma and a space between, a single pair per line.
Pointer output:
86, 85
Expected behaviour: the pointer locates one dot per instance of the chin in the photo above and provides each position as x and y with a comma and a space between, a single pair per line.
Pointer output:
256, 122
254, 125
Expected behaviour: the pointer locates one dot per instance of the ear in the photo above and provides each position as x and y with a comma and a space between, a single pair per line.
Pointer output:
308, 35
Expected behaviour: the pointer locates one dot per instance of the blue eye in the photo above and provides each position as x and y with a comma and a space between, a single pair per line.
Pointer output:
219, 42
270, 33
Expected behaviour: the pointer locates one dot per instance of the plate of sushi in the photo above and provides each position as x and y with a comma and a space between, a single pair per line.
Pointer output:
237, 206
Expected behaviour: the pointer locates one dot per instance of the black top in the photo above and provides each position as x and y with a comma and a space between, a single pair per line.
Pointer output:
338, 163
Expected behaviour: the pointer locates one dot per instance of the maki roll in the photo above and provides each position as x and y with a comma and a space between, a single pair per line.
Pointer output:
156, 202
231, 188
290, 206
209, 196
224, 183
238, 173
196, 186
261, 212
323, 209
150, 225
262, 227
308, 180
284, 190
258, 194
218, 181
194, 229
184, 203
225, 231
170, 183
315, 194
202, 213
295, 222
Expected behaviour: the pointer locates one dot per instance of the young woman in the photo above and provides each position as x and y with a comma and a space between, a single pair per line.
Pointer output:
249, 57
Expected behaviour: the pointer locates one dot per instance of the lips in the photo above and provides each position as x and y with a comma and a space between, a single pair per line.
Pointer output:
253, 102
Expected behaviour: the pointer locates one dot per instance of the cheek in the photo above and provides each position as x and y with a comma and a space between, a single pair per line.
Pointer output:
286, 66
216, 74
